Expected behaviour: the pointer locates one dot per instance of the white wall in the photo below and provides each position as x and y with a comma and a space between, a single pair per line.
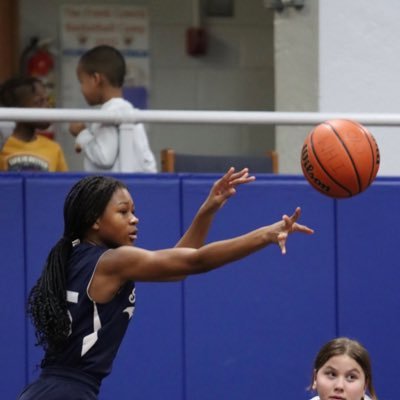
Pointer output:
236, 74
296, 77
359, 65
338, 56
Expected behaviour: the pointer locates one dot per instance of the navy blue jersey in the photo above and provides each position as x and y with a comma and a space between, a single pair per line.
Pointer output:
96, 329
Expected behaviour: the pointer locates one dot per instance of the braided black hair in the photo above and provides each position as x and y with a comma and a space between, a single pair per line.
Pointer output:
47, 305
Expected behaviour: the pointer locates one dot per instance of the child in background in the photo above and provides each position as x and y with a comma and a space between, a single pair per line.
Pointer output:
6, 130
342, 370
25, 150
109, 147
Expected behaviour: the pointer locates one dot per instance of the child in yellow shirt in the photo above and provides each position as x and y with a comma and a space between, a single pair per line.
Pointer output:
25, 150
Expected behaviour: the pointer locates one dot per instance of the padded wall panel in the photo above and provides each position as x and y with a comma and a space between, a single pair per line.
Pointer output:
369, 276
12, 287
252, 324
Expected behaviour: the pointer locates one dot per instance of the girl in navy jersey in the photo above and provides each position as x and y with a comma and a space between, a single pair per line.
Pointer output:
82, 303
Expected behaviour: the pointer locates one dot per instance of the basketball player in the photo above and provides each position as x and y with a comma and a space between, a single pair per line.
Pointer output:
82, 302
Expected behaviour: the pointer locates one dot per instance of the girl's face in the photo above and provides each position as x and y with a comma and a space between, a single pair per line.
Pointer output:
340, 378
117, 226
89, 86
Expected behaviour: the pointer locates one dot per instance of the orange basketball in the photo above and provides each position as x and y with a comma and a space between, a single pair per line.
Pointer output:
340, 158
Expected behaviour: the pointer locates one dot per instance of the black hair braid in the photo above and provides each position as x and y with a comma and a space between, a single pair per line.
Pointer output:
47, 305
47, 300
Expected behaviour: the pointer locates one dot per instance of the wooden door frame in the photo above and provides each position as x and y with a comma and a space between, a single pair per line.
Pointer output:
9, 38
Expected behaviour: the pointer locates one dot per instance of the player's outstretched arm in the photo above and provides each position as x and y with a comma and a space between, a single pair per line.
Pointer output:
129, 263
221, 191
132, 263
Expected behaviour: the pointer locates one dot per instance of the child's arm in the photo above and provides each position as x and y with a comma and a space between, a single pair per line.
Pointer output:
76, 127
99, 144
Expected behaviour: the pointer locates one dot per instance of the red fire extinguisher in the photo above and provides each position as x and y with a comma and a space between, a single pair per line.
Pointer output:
39, 62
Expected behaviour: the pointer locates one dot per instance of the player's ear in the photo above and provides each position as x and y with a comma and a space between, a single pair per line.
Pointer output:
96, 225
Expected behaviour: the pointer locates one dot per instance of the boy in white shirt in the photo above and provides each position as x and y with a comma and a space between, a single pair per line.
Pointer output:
106, 146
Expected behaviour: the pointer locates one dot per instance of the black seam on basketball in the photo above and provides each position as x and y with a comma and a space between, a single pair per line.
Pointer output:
324, 169
367, 135
348, 153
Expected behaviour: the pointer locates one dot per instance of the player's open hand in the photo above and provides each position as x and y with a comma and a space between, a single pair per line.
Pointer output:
288, 225
225, 187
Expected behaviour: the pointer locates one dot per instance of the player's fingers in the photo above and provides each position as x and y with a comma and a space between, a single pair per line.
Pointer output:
227, 177
282, 242
240, 173
296, 215
302, 228
287, 221
242, 180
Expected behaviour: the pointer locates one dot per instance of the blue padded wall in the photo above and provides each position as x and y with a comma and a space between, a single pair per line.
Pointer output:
238, 332
251, 325
369, 276
12, 286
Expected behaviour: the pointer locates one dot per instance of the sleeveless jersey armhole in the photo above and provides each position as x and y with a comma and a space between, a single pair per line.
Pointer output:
91, 278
